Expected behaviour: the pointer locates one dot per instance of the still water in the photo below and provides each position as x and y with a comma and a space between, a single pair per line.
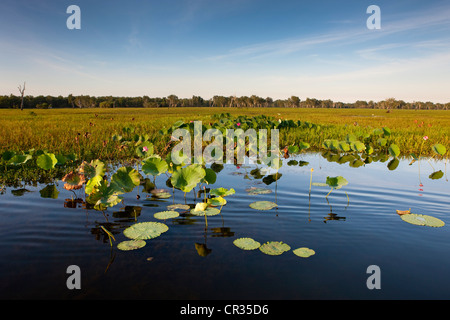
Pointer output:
41, 237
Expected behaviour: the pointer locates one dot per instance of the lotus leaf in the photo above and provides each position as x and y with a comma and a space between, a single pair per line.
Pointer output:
202, 250
162, 215
358, 146
210, 176
336, 182
19, 159
188, 177
73, 181
381, 142
344, 146
263, 205
178, 206
319, 184
436, 175
46, 161
256, 191
125, 179
154, 166
103, 196
304, 252
439, 149
303, 145
221, 192
246, 244
217, 201
422, 220
274, 248
145, 230
293, 149
209, 211
351, 138
131, 245
92, 169
394, 150
144, 149
161, 193
49, 191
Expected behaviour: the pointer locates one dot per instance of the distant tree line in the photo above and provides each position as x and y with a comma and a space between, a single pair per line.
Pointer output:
172, 101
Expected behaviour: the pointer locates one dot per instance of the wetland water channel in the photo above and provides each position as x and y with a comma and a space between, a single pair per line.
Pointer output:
41, 234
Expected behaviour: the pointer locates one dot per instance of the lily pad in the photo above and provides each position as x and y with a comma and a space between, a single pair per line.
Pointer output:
178, 206
304, 252
161, 193
263, 205
274, 248
246, 244
131, 245
255, 191
162, 215
209, 211
145, 230
422, 220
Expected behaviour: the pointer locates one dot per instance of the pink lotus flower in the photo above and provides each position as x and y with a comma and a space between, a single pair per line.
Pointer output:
425, 138
238, 124
144, 149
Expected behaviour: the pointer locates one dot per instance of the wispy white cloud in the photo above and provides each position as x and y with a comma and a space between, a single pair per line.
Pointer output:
423, 21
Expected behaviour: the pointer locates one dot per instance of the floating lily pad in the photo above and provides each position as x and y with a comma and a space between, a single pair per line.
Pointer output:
178, 206
255, 191
422, 220
263, 205
246, 244
274, 248
162, 215
161, 193
131, 245
209, 211
304, 252
145, 230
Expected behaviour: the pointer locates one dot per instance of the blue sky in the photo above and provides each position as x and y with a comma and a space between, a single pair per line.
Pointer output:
319, 49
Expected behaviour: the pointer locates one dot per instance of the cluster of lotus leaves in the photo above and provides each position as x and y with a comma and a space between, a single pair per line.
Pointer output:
272, 248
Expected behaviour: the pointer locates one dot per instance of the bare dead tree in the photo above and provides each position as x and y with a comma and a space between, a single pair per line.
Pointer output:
22, 91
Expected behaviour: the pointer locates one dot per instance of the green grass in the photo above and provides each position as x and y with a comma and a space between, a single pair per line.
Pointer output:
88, 132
